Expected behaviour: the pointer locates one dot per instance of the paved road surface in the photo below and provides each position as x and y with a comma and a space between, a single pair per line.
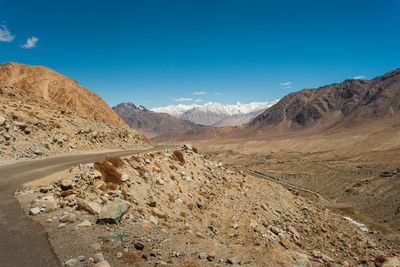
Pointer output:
24, 242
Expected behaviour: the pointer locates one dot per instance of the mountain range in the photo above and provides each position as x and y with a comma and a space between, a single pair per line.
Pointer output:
149, 122
216, 114
341, 105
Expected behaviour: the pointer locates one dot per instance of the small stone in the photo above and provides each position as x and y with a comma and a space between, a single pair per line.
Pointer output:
97, 174
102, 264
153, 220
49, 220
139, 246
66, 184
264, 206
34, 211
230, 261
45, 189
72, 262
61, 225
68, 218
37, 151
235, 226
85, 223
202, 255
124, 177
147, 161
20, 125
119, 255
2, 120
98, 257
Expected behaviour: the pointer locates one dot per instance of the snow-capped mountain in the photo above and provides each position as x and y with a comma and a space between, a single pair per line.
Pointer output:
216, 114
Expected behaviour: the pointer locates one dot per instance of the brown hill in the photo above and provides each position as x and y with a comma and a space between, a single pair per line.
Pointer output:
60, 89
349, 103
150, 123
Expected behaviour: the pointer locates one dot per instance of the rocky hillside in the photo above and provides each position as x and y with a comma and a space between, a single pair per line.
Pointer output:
57, 88
148, 122
31, 126
175, 207
348, 103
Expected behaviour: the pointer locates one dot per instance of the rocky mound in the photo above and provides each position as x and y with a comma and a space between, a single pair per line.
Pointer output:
148, 122
175, 207
57, 88
31, 126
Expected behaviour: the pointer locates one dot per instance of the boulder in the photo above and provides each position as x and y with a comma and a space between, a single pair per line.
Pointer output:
34, 211
20, 125
112, 212
66, 184
90, 206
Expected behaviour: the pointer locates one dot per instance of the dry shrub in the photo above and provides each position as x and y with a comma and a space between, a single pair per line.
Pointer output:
182, 214
190, 206
125, 194
141, 171
202, 194
210, 186
178, 156
184, 202
172, 177
137, 159
195, 150
109, 172
171, 198
139, 210
380, 260
173, 167
146, 180
158, 166
131, 257
166, 224
111, 186
194, 164
116, 161
186, 227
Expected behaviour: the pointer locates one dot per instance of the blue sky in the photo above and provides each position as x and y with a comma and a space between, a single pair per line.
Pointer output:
156, 52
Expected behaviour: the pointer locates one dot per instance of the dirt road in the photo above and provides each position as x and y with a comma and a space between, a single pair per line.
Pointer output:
24, 242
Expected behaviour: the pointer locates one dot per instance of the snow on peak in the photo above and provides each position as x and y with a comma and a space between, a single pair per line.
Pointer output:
215, 107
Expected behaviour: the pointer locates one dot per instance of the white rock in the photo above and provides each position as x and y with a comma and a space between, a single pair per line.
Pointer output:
124, 177
85, 223
153, 220
34, 211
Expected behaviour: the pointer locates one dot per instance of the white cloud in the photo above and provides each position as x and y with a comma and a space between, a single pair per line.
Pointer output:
5, 35
198, 100
30, 42
217, 93
287, 87
183, 99
359, 77
199, 93
285, 83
